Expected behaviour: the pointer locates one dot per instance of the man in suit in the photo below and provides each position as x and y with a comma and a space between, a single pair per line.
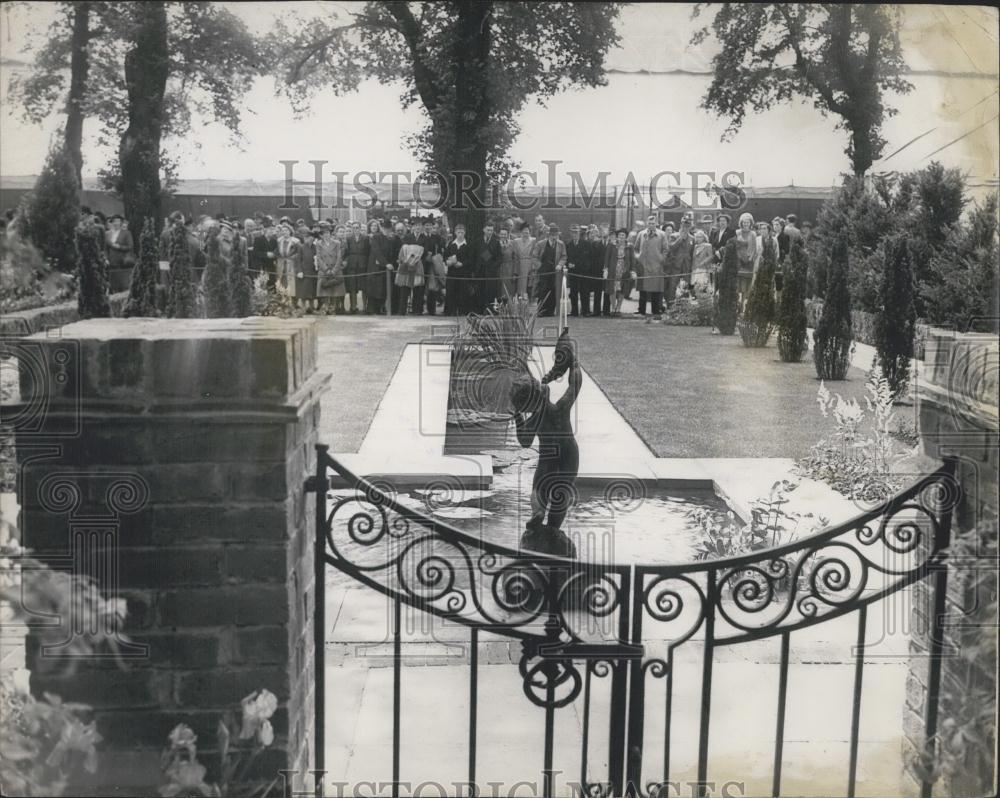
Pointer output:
486, 261
578, 259
551, 255
720, 235
597, 240
118, 242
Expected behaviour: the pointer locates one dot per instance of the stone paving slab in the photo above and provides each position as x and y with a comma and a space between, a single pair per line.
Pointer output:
434, 727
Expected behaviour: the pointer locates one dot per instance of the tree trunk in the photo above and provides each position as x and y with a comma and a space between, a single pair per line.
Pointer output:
861, 150
146, 71
473, 41
79, 68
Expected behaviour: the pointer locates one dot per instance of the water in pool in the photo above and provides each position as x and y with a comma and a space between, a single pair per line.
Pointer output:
619, 522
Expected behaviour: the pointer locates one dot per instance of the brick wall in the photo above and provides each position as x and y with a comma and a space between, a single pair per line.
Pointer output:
957, 403
169, 463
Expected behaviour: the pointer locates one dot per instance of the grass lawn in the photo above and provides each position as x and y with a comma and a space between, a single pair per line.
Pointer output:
686, 392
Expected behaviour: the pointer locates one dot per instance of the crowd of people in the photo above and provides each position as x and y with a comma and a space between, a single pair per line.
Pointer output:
420, 266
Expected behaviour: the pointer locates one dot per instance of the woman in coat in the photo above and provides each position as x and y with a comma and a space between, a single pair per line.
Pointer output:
379, 265
304, 285
746, 255
458, 260
619, 269
522, 247
330, 269
287, 257
355, 255
703, 265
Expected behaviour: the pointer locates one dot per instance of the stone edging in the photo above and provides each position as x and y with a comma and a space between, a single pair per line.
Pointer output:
27, 322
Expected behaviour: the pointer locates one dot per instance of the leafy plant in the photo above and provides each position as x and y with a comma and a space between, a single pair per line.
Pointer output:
266, 301
853, 463
50, 213
185, 775
965, 747
27, 280
792, 342
771, 524
696, 311
492, 350
833, 340
45, 743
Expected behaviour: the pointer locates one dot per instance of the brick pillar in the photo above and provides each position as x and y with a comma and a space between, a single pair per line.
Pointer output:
957, 399
167, 459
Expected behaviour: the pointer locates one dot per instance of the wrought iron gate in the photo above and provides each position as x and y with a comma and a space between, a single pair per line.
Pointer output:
578, 623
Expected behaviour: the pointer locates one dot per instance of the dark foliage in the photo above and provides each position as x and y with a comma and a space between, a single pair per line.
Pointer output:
757, 322
50, 213
725, 318
844, 57
218, 298
142, 289
240, 286
92, 265
833, 338
792, 306
896, 320
181, 297
960, 291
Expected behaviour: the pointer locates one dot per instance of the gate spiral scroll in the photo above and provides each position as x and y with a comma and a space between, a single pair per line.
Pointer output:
620, 625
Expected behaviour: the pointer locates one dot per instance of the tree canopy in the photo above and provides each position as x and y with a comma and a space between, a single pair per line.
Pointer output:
200, 76
844, 57
472, 66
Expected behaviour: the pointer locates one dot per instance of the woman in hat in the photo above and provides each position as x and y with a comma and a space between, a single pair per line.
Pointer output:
703, 262
329, 269
379, 263
287, 257
619, 269
118, 242
355, 265
303, 287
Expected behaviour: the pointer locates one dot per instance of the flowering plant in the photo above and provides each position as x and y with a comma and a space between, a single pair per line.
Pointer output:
856, 464
186, 775
45, 742
771, 524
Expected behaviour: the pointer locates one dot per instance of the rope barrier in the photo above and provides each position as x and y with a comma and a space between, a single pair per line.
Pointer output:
479, 279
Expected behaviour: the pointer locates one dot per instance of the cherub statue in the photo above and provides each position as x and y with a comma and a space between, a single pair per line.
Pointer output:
553, 488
